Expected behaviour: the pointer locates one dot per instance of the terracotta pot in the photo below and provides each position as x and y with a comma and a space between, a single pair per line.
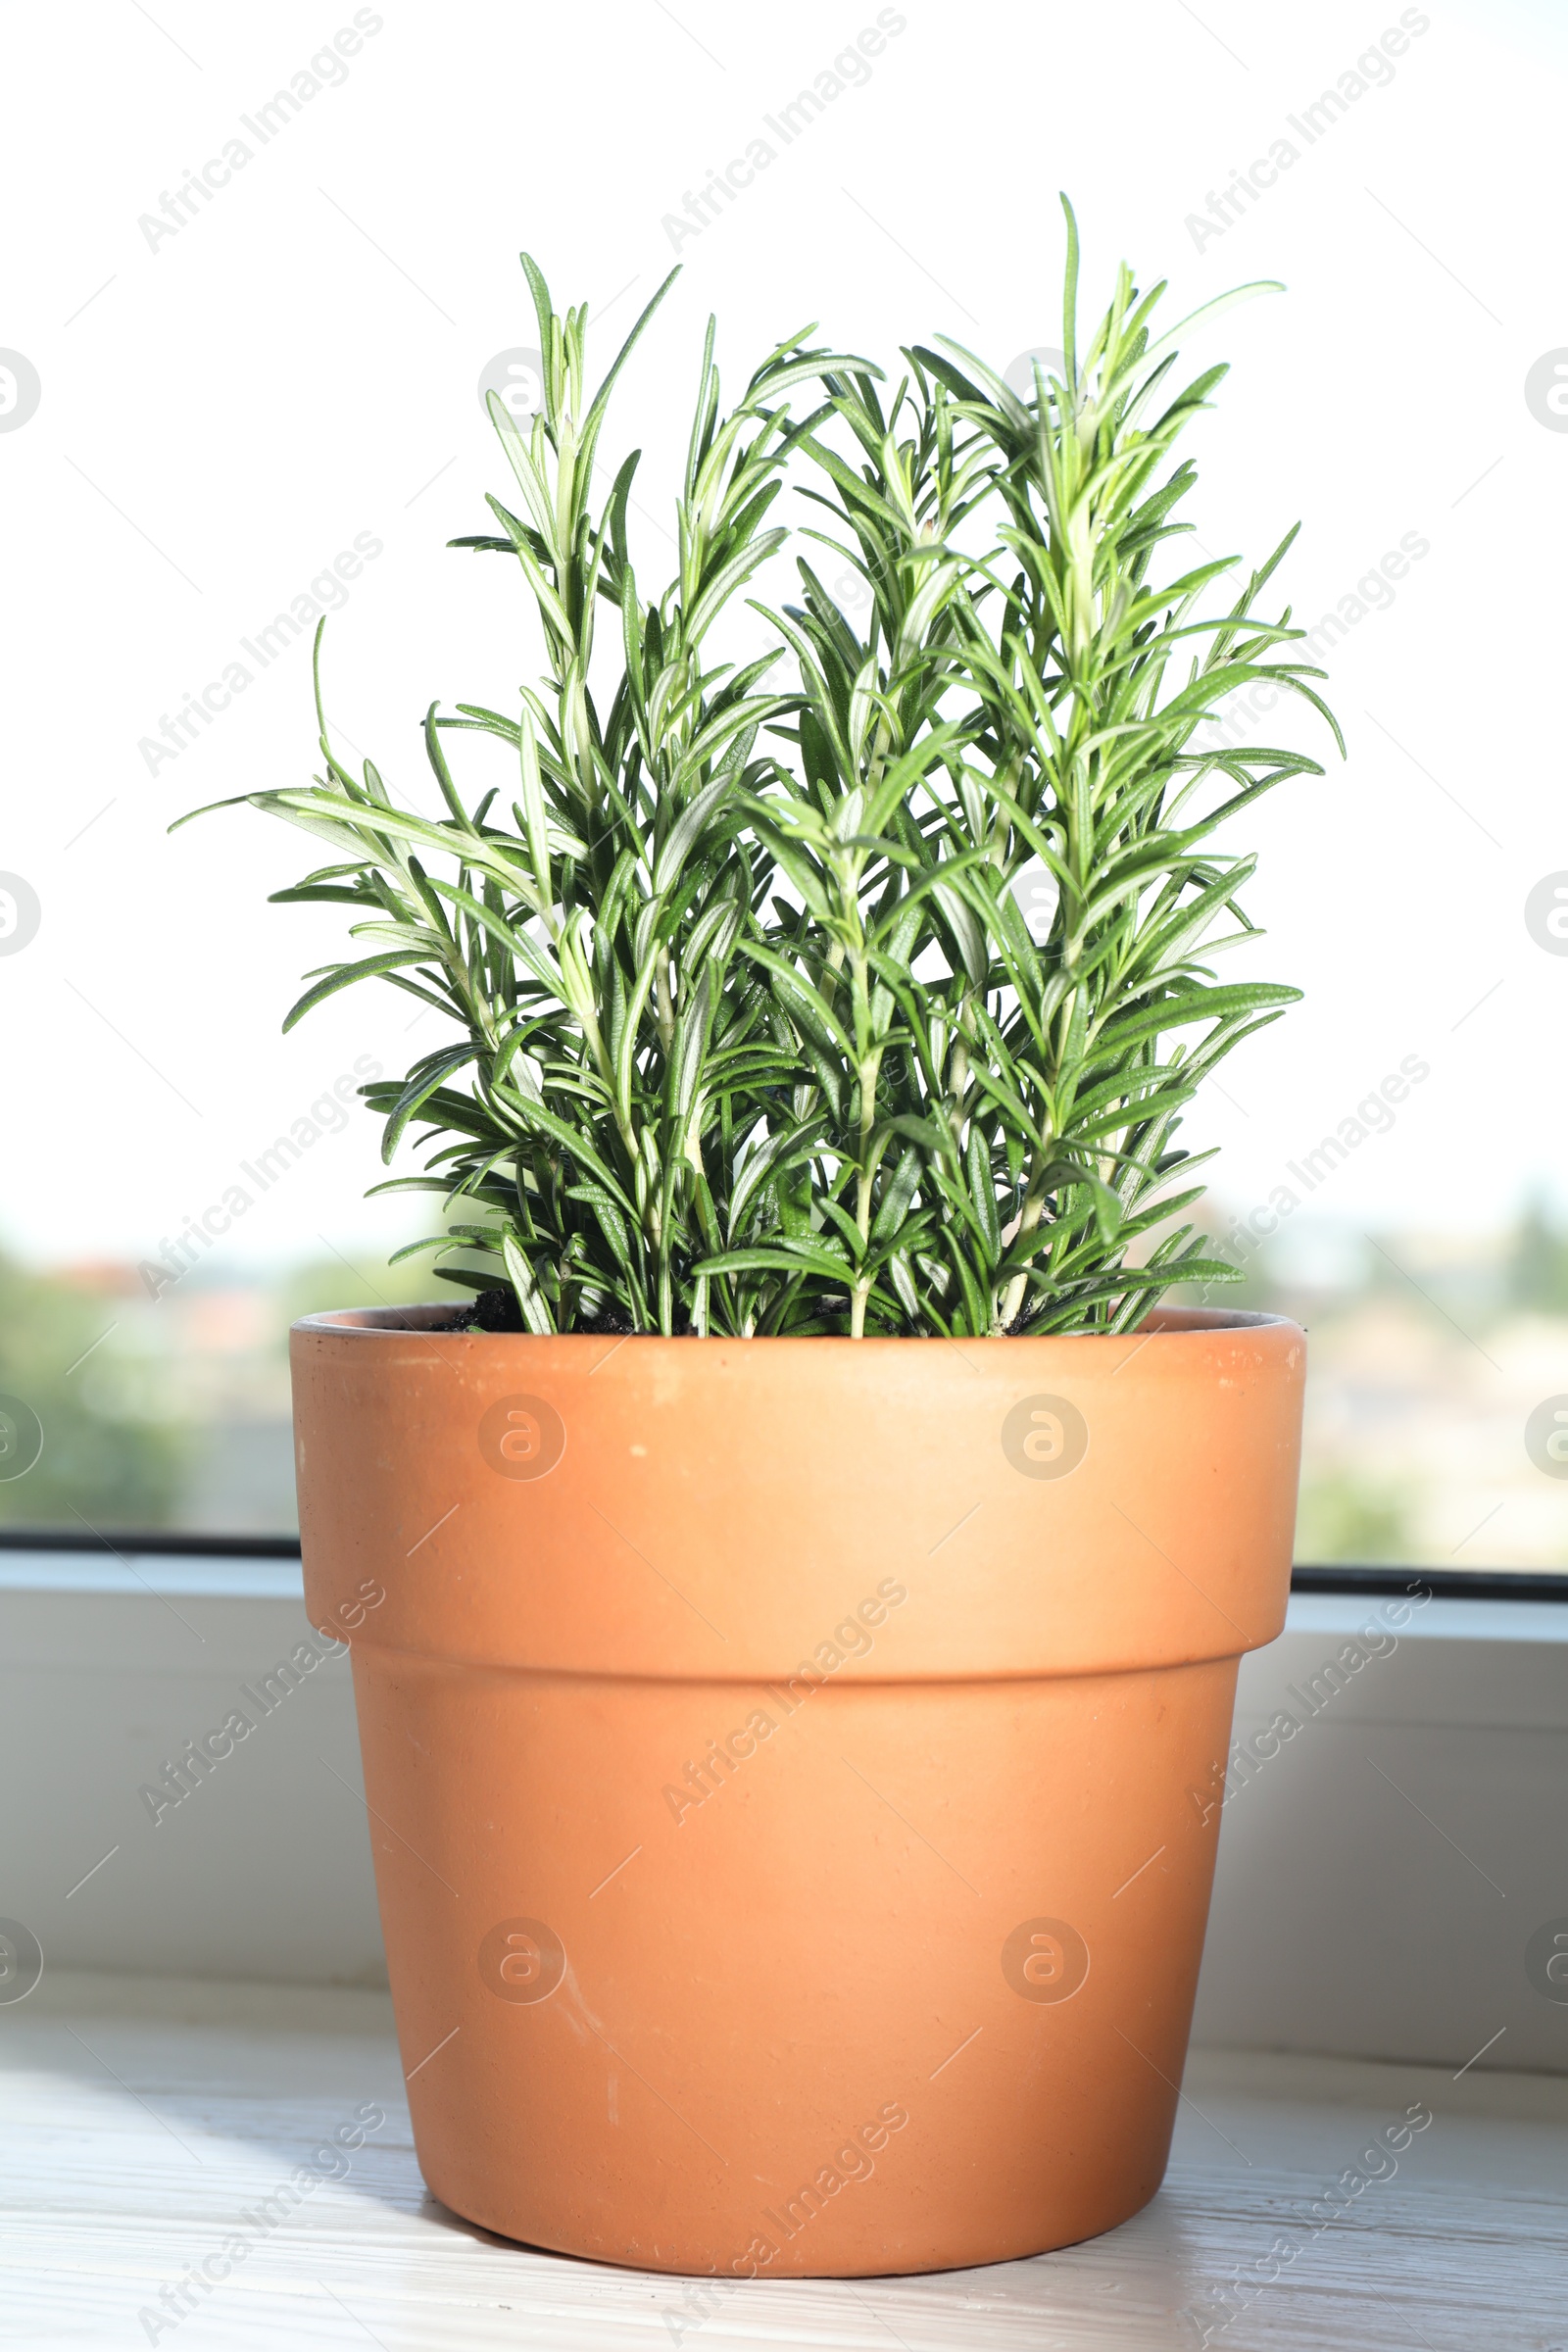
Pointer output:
794, 1765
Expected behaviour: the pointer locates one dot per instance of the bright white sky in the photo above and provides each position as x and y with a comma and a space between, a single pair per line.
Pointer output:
297, 366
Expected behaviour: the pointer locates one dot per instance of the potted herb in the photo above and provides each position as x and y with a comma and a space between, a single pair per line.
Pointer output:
816, 1564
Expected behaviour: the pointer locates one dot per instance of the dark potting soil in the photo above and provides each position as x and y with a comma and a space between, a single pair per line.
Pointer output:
498, 1311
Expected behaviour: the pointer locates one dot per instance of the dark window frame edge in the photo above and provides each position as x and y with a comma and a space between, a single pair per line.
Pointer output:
1446, 1583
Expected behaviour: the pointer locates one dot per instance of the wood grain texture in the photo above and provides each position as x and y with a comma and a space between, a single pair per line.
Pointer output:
142, 2121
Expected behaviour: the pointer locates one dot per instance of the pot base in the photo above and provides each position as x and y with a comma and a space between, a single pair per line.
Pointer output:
979, 2256
905, 1987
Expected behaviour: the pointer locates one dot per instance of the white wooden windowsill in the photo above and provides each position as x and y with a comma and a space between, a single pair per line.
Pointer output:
142, 2117
1380, 1878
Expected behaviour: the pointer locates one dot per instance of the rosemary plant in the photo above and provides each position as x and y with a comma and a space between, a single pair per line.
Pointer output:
750, 1032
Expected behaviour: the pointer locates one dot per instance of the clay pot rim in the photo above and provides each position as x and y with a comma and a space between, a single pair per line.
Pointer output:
1166, 1324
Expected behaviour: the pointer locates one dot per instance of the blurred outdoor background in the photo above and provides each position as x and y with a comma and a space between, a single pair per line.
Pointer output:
220, 416
1428, 1355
